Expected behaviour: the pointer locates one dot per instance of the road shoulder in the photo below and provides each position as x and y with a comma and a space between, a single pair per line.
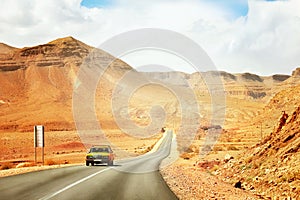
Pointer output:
189, 182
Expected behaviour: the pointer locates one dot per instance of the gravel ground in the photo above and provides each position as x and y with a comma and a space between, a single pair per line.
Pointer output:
189, 182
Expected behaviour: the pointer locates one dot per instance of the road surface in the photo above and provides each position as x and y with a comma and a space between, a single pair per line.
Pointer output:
136, 178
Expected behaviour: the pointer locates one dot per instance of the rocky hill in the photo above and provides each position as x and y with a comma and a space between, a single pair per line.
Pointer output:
6, 49
37, 83
272, 167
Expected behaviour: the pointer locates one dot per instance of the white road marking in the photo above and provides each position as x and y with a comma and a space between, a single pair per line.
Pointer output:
72, 185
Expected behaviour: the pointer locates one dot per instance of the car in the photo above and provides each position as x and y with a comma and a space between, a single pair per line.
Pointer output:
100, 154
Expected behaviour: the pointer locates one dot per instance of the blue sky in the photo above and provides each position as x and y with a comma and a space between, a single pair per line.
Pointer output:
96, 3
237, 8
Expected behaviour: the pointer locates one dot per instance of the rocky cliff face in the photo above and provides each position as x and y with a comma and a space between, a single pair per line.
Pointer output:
293, 80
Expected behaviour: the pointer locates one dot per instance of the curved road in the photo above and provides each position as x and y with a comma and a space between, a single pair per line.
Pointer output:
135, 178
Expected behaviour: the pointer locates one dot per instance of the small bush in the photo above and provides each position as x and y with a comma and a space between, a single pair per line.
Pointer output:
5, 166
186, 156
239, 140
256, 165
218, 148
193, 149
49, 162
232, 148
215, 168
248, 160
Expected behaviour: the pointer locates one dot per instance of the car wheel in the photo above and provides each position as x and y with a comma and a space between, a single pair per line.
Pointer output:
87, 163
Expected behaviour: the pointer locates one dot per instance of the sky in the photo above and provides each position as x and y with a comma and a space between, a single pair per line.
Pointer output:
256, 36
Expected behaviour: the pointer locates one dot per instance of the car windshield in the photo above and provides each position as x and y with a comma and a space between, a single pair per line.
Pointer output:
99, 149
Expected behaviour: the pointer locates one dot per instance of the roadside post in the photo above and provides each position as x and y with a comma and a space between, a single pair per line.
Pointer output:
39, 141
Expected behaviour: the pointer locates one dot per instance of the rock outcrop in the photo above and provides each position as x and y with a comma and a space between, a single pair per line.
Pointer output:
296, 72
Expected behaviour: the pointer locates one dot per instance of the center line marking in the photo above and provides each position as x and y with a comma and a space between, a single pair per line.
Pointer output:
72, 185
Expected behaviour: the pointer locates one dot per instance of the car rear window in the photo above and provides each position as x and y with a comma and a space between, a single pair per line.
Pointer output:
99, 149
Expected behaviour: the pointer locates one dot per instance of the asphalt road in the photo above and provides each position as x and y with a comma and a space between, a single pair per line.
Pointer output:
136, 178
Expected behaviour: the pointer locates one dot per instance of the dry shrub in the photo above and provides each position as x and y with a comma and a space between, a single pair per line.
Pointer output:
6, 166
215, 168
218, 148
232, 148
193, 149
50, 162
66, 162
186, 156
256, 165
248, 160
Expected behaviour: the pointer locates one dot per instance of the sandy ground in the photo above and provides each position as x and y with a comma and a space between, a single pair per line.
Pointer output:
61, 148
193, 177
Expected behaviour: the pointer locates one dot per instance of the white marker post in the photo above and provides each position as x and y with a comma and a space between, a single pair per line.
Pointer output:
39, 141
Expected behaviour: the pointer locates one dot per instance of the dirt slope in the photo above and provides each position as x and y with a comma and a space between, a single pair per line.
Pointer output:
272, 167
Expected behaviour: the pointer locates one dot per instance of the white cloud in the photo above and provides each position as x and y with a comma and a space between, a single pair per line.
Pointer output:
266, 41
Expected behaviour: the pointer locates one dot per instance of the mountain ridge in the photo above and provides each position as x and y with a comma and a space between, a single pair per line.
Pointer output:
43, 76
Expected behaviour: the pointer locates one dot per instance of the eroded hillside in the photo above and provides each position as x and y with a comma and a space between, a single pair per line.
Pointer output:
37, 83
271, 168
